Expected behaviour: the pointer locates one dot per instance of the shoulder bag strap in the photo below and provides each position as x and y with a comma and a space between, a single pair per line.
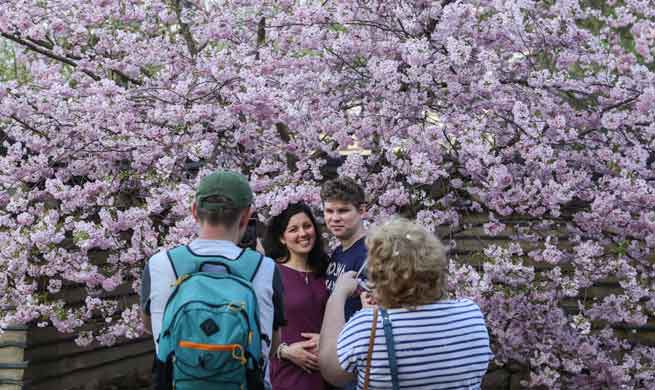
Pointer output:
391, 348
371, 342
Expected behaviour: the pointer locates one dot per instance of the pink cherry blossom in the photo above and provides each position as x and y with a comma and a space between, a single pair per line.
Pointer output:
536, 116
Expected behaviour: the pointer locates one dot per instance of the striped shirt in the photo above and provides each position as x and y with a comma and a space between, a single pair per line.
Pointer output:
444, 345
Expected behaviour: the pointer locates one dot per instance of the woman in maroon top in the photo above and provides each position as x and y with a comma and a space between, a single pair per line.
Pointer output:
293, 239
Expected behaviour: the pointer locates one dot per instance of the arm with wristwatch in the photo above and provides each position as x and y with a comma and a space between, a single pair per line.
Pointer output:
304, 354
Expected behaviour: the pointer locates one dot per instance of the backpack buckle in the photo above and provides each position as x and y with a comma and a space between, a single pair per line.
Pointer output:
236, 307
241, 356
181, 280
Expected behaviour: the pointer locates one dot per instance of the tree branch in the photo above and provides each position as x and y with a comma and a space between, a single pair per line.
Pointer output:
27, 126
47, 53
261, 36
619, 104
192, 46
43, 48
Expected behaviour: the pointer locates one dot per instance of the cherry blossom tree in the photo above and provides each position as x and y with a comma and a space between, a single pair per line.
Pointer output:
542, 110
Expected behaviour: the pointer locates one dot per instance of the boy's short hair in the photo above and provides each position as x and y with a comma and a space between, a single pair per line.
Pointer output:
343, 189
225, 216
406, 264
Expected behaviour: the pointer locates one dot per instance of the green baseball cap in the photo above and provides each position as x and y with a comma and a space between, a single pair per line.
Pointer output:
230, 185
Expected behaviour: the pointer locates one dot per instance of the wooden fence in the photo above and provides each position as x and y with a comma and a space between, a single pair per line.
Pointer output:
43, 359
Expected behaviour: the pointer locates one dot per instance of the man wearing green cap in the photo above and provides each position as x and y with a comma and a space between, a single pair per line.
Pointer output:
222, 209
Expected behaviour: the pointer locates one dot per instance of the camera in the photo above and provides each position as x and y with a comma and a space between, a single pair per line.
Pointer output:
249, 239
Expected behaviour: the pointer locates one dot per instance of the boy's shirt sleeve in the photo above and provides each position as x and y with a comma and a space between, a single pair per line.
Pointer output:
162, 279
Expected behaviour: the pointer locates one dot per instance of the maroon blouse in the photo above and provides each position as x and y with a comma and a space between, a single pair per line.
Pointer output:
305, 296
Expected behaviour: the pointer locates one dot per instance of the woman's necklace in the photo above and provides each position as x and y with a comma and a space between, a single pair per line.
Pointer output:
306, 274
302, 271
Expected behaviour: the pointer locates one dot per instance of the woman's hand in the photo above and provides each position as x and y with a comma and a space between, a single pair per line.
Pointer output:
315, 337
368, 300
346, 284
302, 355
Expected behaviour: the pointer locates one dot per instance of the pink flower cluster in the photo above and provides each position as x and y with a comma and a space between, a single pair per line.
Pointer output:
530, 111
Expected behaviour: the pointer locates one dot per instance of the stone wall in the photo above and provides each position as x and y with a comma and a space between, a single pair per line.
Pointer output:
471, 239
44, 359
40, 359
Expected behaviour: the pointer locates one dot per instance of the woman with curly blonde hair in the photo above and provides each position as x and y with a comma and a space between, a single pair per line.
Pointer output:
418, 337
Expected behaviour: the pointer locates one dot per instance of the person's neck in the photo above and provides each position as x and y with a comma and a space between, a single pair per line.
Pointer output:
347, 243
297, 262
218, 233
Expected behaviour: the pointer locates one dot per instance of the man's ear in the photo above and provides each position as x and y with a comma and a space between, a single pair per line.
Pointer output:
194, 212
362, 210
245, 217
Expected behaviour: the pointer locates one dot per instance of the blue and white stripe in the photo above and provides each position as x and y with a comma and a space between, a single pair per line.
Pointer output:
444, 345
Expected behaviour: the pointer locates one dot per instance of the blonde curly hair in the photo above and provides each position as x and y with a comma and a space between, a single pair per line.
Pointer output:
407, 265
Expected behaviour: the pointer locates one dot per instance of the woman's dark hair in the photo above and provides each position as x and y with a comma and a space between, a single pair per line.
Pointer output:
317, 260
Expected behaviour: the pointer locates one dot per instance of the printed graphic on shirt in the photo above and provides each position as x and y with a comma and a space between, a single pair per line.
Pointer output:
334, 270
344, 261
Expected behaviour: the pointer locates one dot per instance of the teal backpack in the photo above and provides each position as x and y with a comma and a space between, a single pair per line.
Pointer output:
210, 335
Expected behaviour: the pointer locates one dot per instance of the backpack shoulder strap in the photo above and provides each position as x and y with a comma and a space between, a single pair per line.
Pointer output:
182, 260
247, 264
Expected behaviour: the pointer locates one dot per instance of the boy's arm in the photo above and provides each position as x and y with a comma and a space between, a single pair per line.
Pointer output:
156, 286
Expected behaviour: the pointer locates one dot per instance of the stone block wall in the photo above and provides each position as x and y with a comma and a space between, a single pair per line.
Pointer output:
43, 359
40, 359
